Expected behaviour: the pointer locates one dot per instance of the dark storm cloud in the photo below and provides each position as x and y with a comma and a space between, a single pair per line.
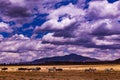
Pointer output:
10, 10
105, 29
4, 5
67, 32
17, 11
101, 30
63, 34
114, 46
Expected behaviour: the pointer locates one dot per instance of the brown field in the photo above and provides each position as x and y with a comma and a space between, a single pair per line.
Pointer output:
70, 72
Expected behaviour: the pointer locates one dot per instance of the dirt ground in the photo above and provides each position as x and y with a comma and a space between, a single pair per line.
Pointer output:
64, 75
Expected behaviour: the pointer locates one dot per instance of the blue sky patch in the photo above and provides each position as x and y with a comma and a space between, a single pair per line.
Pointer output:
64, 3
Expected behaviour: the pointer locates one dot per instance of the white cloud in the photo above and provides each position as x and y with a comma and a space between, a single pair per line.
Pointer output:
5, 27
103, 9
70, 9
18, 37
51, 38
103, 42
70, 15
55, 25
17, 1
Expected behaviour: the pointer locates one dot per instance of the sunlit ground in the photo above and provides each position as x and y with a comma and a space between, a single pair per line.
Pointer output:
70, 72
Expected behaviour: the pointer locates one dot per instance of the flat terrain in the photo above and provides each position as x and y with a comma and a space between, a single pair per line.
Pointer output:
116, 67
65, 75
70, 72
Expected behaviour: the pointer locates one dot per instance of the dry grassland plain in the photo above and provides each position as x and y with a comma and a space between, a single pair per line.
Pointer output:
70, 72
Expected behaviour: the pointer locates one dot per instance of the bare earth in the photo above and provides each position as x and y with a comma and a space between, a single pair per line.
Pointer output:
70, 72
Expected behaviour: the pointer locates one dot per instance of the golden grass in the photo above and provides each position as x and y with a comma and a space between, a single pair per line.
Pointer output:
67, 67
70, 72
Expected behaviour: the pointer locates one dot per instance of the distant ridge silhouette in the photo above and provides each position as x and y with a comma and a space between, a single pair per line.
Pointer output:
117, 60
67, 58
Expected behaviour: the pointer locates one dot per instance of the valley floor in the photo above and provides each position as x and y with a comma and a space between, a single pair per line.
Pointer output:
64, 75
70, 72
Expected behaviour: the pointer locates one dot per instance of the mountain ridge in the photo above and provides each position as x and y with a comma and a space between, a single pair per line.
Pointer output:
66, 58
117, 60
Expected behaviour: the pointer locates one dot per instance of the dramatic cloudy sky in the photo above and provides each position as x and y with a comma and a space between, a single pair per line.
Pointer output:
32, 29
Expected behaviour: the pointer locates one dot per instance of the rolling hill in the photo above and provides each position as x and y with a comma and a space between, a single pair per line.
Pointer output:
67, 58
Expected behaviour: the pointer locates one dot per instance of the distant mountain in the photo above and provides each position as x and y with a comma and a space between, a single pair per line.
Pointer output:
117, 60
66, 58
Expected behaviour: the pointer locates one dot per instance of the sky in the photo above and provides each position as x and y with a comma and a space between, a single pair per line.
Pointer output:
34, 29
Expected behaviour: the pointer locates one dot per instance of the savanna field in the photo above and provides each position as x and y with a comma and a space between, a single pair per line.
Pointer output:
69, 72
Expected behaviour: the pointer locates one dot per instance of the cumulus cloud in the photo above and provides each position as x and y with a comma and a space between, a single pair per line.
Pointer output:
92, 31
24, 48
52, 25
23, 11
94, 27
66, 10
103, 9
67, 16
5, 27
105, 27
